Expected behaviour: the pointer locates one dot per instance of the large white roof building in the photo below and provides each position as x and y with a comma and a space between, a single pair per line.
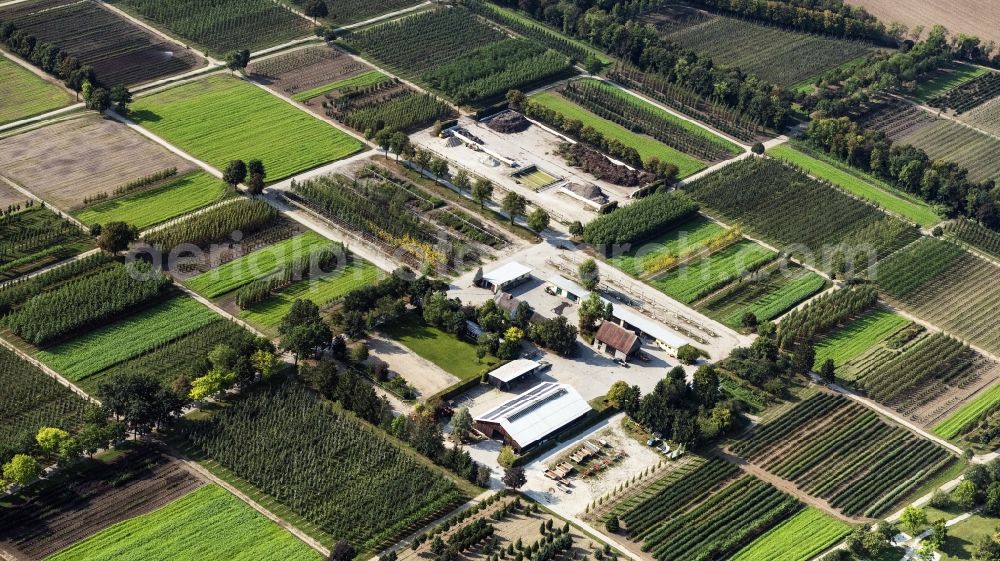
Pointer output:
532, 416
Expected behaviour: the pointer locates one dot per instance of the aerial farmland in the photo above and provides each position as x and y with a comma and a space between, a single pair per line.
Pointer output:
486, 280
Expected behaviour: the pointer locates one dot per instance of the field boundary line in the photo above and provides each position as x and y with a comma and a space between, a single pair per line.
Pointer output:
35, 70
51, 267
62, 214
50, 372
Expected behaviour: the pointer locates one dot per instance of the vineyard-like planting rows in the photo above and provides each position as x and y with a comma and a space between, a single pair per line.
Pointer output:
969, 94
119, 51
353, 484
813, 221
31, 400
208, 524
245, 216
34, 238
976, 235
842, 452
774, 54
767, 294
947, 286
220, 118
26, 95
158, 204
986, 117
223, 25
344, 12
967, 147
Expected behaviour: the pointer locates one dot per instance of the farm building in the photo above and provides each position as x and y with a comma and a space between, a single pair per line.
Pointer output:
615, 340
513, 372
504, 277
508, 304
533, 416
622, 315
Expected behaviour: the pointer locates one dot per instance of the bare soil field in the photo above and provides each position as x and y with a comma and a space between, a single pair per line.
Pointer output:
59, 514
977, 17
304, 69
68, 161
120, 51
9, 196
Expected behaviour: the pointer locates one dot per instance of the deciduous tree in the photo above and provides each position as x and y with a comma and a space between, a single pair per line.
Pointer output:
514, 477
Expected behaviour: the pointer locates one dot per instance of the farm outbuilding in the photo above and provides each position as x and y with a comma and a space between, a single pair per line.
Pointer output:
533, 416
615, 340
513, 372
504, 277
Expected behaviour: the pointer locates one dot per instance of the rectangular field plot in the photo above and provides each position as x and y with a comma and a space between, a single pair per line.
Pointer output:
268, 314
705, 274
975, 235
773, 54
687, 237
701, 509
452, 354
10, 197
221, 118
32, 400
354, 484
119, 51
534, 178
946, 79
35, 238
789, 209
647, 147
104, 347
89, 497
906, 206
69, 161
964, 419
157, 204
766, 294
338, 86
947, 286
800, 538
223, 25
344, 12
26, 95
856, 337
208, 524
967, 147
844, 454
985, 117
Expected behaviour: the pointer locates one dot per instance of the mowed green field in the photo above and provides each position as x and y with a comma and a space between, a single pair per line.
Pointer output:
854, 338
369, 78
647, 147
25, 95
955, 423
267, 315
453, 355
148, 208
222, 118
853, 182
256, 265
687, 236
952, 76
692, 281
766, 299
106, 346
800, 538
208, 524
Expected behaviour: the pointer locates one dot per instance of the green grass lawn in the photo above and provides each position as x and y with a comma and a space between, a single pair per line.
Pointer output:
856, 337
256, 265
647, 147
208, 524
267, 315
954, 424
222, 118
690, 282
25, 95
108, 345
443, 349
800, 538
667, 116
962, 537
858, 184
369, 78
953, 76
766, 299
689, 235
148, 208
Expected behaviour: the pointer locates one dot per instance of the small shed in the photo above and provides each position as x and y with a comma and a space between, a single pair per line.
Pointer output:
513, 372
615, 340
505, 277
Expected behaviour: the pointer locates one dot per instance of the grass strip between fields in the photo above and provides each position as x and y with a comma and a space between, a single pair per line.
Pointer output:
852, 182
25, 95
148, 208
369, 78
647, 147
956, 423
117, 342
208, 524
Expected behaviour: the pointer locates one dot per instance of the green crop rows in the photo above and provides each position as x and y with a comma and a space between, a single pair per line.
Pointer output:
766, 298
694, 280
221, 118
159, 204
960, 420
208, 524
800, 538
26, 95
858, 336
369, 78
